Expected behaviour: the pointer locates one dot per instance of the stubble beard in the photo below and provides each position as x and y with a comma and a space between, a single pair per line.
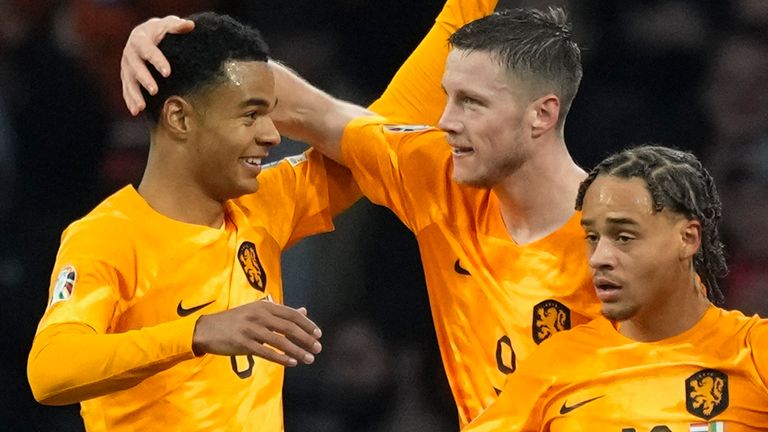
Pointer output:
619, 314
493, 175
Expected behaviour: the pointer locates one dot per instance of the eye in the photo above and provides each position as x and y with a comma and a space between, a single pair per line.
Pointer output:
466, 100
624, 238
591, 237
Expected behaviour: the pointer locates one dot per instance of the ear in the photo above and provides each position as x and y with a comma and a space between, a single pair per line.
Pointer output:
547, 112
176, 116
690, 234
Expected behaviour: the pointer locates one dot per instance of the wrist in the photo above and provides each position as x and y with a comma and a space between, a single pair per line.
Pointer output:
198, 344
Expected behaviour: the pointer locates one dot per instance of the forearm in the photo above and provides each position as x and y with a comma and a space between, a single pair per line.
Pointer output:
308, 114
415, 94
70, 362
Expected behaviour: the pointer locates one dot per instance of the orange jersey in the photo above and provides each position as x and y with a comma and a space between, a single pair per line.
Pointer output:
492, 300
713, 377
129, 284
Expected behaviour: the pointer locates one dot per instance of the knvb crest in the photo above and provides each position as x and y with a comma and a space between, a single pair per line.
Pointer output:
249, 261
706, 393
549, 317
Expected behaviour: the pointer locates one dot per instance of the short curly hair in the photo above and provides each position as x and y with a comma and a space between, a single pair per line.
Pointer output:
197, 58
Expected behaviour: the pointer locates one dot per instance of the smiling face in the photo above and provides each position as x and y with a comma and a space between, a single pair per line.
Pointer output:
484, 119
231, 130
638, 256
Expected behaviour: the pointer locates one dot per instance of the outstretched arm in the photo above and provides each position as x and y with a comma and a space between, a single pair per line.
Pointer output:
415, 95
303, 112
306, 113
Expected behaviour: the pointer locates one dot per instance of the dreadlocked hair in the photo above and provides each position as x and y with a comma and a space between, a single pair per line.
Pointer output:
678, 182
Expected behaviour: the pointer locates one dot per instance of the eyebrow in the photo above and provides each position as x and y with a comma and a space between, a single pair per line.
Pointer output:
259, 102
612, 221
622, 221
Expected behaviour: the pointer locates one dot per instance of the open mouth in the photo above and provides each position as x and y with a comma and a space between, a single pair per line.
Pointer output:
252, 161
461, 151
605, 285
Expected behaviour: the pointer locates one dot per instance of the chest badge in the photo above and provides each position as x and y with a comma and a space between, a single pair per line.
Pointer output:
249, 261
549, 317
706, 393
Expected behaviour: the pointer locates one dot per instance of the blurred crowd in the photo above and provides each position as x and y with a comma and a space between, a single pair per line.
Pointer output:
687, 73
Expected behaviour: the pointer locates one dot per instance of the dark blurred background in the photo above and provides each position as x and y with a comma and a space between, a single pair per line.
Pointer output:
693, 74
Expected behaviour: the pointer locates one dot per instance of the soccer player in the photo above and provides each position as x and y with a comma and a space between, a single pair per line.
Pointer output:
662, 357
489, 197
164, 309
102, 302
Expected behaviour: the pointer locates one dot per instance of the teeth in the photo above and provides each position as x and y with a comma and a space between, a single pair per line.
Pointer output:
253, 161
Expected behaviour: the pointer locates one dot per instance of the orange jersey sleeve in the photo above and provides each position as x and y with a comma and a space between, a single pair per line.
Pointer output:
128, 285
104, 363
415, 95
709, 378
382, 157
492, 299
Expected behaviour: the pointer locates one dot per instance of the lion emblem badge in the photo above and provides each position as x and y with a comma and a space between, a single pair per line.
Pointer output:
549, 317
249, 261
706, 393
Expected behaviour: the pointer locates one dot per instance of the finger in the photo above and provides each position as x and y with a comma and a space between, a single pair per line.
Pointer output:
286, 334
133, 74
273, 356
286, 347
131, 93
138, 70
149, 52
175, 25
298, 336
141, 46
293, 315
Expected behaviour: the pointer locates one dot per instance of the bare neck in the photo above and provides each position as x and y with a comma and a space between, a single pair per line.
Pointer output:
169, 188
674, 314
540, 196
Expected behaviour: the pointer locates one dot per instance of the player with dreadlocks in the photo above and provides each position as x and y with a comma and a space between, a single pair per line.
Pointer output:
676, 180
662, 357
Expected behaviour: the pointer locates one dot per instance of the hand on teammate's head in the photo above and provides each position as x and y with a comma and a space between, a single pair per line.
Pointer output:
141, 49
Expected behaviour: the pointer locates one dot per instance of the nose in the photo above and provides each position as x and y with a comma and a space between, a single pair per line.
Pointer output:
268, 134
449, 121
601, 255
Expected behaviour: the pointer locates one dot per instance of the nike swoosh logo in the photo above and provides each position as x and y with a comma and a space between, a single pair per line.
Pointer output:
565, 409
184, 312
459, 269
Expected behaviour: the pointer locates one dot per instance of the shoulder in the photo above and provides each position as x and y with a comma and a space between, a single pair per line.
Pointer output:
107, 228
289, 162
412, 145
733, 322
280, 181
390, 131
